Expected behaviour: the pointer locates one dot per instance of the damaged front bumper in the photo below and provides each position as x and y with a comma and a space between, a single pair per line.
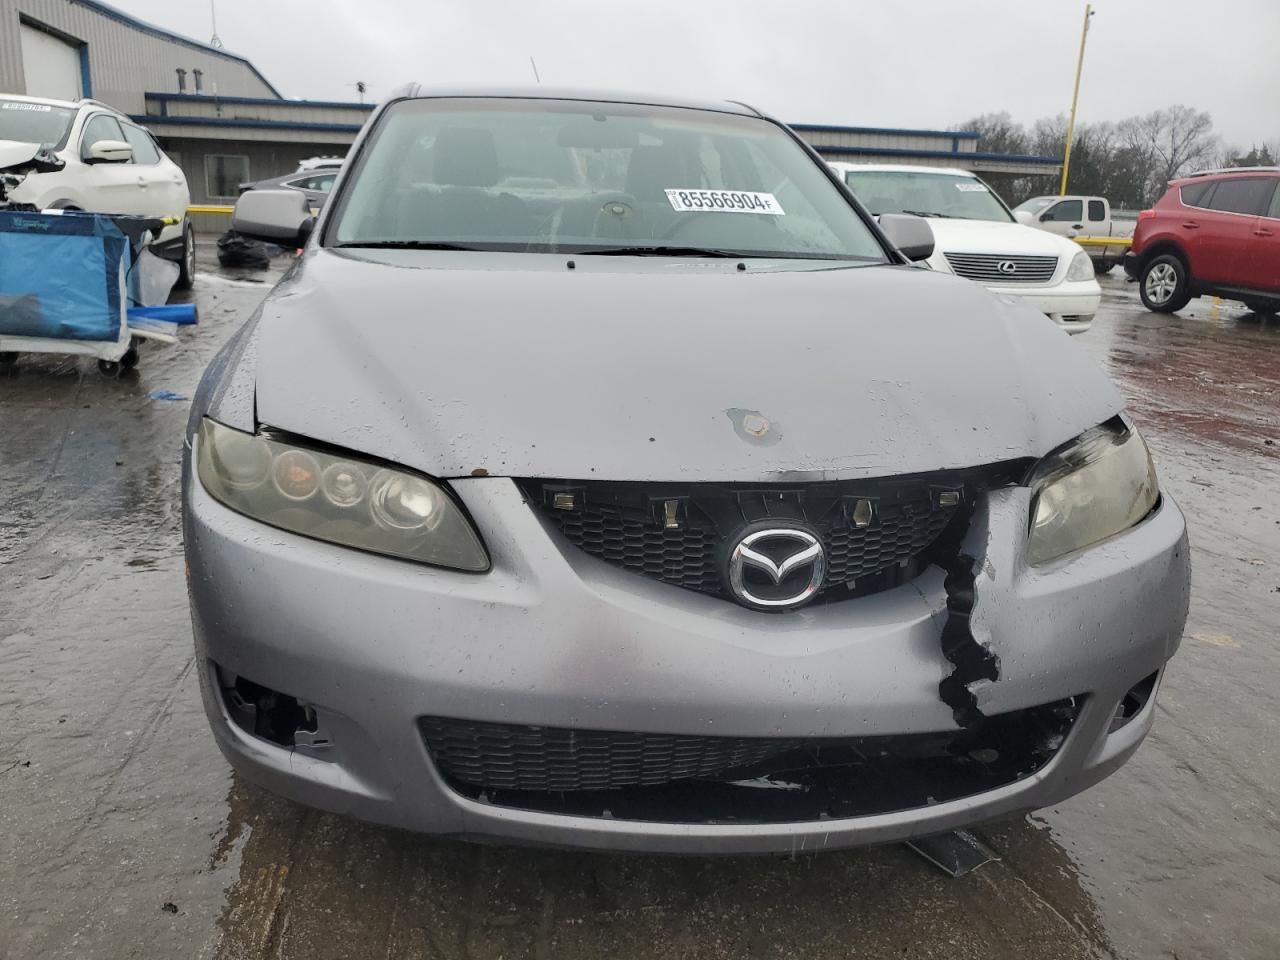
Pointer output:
377, 660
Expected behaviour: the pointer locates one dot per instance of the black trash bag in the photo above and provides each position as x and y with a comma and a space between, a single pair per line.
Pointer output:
235, 250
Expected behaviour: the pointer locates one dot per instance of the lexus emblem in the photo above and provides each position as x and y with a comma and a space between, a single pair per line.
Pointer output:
1007, 267
776, 568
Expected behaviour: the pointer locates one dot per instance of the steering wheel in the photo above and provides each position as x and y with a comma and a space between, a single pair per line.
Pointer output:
683, 220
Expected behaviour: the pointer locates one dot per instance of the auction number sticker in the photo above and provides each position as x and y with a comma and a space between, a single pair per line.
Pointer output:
34, 107
971, 188
724, 201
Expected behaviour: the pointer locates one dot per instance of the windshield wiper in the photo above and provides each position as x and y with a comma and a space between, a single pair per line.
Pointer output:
928, 213
405, 245
654, 251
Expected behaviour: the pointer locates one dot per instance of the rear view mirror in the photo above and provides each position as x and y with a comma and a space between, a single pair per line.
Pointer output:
109, 151
911, 235
1024, 216
281, 217
596, 135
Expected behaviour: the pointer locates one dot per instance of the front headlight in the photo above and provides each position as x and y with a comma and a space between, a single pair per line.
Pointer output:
1081, 267
336, 497
1098, 485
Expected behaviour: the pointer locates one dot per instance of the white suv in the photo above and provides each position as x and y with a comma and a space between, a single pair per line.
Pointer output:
112, 166
976, 236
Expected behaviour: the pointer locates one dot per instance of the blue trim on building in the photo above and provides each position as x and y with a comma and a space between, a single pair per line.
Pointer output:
86, 80
111, 13
247, 122
886, 131
948, 154
165, 98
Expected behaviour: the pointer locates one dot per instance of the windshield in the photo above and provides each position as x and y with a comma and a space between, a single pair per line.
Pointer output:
926, 194
592, 177
40, 123
1035, 204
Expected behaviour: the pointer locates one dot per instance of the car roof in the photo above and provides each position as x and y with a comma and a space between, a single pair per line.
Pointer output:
532, 92
68, 104
49, 101
903, 168
1223, 172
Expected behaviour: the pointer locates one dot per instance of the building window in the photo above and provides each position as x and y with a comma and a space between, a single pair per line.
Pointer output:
224, 174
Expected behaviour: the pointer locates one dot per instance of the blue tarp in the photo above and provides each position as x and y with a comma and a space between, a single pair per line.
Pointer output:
60, 276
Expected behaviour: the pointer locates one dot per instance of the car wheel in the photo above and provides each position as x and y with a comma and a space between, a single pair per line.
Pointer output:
1103, 266
8, 357
187, 265
1163, 284
1263, 308
109, 368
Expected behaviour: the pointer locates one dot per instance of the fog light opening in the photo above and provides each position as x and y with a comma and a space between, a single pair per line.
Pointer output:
269, 714
1132, 703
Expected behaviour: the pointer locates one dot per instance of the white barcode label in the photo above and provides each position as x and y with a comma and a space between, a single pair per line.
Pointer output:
34, 107
723, 201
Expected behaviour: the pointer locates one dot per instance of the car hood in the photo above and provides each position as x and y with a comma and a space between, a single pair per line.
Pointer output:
16, 152
473, 364
988, 236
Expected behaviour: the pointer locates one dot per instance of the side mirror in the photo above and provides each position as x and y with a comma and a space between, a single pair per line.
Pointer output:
109, 151
911, 235
1025, 217
281, 217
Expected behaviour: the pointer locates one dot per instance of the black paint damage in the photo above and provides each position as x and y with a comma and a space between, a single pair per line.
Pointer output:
971, 660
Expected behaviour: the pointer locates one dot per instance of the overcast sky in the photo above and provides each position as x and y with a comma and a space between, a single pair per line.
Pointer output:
899, 63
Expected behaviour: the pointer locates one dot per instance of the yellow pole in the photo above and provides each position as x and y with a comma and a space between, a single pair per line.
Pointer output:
1075, 95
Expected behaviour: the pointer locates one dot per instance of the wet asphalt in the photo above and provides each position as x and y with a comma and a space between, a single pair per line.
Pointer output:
124, 834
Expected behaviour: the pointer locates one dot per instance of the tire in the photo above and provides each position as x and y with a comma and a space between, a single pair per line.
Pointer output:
1101, 266
8, 357
1162, 284
130, 359
1263, 308
109, 368
187, 262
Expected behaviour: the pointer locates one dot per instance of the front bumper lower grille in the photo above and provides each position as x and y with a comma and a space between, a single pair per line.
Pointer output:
876, 533
999, 270
683, 778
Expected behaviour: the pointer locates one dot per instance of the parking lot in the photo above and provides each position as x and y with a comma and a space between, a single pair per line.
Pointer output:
124, 834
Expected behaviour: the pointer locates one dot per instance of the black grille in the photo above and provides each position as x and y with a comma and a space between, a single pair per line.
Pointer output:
502, 756
626, 524
663, 777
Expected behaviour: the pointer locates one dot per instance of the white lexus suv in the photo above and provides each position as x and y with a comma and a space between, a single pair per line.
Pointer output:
976, 236
112, 166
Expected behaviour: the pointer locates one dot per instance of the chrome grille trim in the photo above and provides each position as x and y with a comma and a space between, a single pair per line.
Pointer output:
985, 267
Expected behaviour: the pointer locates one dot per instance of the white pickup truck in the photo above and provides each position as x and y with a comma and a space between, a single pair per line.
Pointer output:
1079, 216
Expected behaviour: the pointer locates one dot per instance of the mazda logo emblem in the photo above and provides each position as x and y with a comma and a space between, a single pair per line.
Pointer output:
1007, 267
776, 568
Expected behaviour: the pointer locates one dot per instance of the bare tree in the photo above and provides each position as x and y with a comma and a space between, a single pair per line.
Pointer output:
1169, 143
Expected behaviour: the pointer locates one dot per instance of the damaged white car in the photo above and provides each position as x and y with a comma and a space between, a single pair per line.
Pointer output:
601, 463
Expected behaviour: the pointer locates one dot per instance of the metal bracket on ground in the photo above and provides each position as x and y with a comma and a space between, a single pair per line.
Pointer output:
956, 853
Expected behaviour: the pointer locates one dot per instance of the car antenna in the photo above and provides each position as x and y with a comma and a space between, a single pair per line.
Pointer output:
536, 78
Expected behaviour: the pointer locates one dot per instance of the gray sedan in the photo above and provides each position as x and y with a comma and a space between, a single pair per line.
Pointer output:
603, 475
315, 185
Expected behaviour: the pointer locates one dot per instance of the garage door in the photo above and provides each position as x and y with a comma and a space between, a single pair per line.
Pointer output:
50, 66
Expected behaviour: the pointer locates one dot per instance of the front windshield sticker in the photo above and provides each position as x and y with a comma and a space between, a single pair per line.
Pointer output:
971, 188
724, 201
37, 107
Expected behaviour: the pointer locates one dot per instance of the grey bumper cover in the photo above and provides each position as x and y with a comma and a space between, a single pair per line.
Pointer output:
551, 636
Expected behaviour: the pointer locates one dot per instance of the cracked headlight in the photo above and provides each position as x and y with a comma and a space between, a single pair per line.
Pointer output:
1098, 485
1081, 267
336, 497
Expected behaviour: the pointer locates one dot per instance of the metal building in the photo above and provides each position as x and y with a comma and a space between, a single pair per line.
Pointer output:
219, 118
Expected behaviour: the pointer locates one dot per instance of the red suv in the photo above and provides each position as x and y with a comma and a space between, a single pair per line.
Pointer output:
1215, 233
